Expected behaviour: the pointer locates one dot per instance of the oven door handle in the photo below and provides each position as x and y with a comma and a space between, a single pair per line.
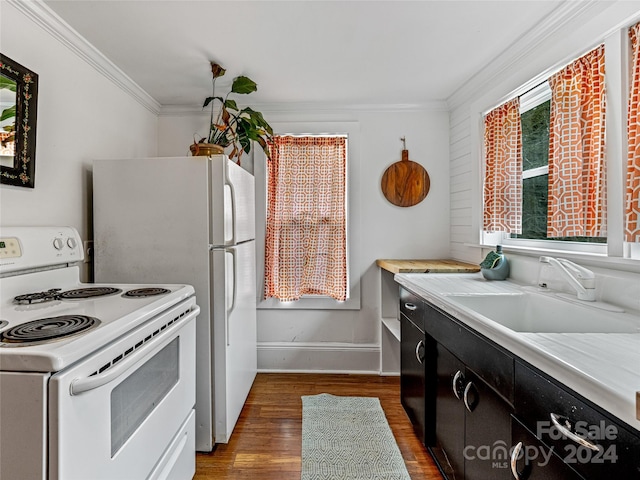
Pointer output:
81, 385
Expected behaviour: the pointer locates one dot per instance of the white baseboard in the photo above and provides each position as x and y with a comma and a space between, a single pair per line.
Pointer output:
318, 357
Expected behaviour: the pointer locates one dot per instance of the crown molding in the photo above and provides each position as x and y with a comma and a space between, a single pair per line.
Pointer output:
507, 61
434, 106
48, 20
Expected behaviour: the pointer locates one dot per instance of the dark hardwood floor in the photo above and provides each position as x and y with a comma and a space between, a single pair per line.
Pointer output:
267, 441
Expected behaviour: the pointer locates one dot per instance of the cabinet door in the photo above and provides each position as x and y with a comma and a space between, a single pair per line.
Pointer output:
412, 374
533, 460
615, 449
449, 414
487, 431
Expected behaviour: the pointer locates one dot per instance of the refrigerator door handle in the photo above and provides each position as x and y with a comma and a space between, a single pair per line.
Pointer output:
229, 183
234, 287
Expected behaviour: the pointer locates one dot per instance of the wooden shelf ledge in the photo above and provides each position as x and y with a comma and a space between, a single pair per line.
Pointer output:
427, 266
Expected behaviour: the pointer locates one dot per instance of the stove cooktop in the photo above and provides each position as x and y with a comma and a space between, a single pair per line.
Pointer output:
86, 292
115, 309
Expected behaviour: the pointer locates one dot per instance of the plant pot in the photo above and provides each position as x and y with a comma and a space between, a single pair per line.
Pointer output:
205, 149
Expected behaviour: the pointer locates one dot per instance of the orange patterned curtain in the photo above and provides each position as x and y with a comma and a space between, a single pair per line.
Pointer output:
577, 180
503, 168
306, 245
632, 196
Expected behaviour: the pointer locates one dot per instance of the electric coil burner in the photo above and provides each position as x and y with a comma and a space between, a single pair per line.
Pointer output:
88, 292
145, 292
56, 294
45, 330
37, 297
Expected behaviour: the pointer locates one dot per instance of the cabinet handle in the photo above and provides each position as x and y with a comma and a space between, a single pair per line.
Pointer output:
410, 306
420, 354
514, 460
454, 385
565, 430
467, 389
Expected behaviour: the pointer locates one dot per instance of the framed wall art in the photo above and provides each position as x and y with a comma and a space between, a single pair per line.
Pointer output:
18, 112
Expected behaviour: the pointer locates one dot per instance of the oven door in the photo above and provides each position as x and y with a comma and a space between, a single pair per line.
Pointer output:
126, 411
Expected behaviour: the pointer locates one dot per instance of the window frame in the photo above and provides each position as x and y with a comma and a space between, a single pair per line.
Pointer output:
352, 131
616, 250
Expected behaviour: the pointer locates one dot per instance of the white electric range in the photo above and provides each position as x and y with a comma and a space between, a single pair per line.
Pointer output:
96, 381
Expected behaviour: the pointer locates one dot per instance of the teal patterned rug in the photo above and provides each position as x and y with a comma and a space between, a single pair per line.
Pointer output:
348, 438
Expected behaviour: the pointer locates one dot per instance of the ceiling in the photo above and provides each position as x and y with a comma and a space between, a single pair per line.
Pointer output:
304, 51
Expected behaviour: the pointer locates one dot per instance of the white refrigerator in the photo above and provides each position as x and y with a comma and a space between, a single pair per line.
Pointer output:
188, 220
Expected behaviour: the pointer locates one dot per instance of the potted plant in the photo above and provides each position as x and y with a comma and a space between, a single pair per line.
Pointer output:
232, 126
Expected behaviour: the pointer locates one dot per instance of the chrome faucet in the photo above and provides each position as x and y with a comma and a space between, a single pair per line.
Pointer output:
581, 279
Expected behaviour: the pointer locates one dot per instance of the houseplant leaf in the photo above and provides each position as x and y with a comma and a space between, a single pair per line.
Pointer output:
260, 121
217, 70
208, 100
243, 85
231, 104
244, 134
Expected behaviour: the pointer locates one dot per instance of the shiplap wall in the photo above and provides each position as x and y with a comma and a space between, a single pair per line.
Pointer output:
461, 187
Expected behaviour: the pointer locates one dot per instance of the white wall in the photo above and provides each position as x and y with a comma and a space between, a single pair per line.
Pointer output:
82, 115
349, 340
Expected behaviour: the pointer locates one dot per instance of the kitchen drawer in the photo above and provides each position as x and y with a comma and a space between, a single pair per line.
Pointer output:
537, 397
480, 355
412, 306
533, 459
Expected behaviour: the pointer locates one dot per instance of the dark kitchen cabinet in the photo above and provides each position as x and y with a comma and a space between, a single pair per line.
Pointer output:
412, 371
417, 354
531, 459
467, 383
474, 400
473, 426
487, 431
483, 404
450, 415
597, 445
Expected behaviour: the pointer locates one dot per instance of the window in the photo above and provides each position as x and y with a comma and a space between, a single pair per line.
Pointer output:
535, 114
306, 223
351, 131
551, 175
534, 118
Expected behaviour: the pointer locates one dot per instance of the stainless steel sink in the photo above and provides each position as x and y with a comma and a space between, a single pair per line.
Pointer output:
531, 311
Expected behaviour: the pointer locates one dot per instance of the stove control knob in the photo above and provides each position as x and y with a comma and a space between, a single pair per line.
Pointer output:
71, 242
58, 243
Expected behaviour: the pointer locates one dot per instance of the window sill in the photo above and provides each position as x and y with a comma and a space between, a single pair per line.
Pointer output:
586, 258
310, 303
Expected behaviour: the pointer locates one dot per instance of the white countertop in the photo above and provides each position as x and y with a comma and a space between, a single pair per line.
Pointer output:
602, 367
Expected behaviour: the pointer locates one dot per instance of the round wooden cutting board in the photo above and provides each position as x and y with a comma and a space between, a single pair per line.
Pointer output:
405, 183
